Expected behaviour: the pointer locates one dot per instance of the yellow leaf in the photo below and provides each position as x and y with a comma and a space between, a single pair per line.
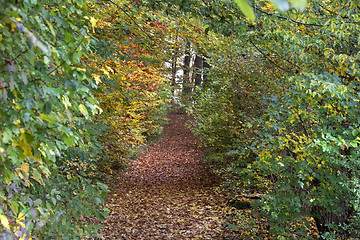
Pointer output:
20, 219
24, 178
26, 147
97, 79
105, 72
4, 221
25, 168
99, 109
66, 102
13, 27
84, 111
110, 69
93, 23
267, 7
41, 181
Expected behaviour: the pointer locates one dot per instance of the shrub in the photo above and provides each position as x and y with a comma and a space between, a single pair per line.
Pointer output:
309, 150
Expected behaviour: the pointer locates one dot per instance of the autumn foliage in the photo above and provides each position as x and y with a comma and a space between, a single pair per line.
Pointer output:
134, 92
74, 98
133, 108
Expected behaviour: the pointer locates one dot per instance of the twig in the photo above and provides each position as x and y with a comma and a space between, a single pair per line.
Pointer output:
57, 67
276, 65
286, 18
132, 19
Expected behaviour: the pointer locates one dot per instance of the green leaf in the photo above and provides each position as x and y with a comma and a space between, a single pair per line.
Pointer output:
98, 200
355, 132
51, 118
299, 4
47, 107
103, 187
14, 206
246, 9
69, 140
7, 136
99, 216
37, 202
27, 138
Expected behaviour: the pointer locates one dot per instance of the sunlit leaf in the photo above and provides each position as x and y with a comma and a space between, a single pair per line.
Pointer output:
93, 22
282, 5
97, 79
246, 9
299, 4
84, 111
25, 168
69, 140
4, 221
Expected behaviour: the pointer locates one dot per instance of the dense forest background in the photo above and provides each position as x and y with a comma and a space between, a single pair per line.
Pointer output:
273, 87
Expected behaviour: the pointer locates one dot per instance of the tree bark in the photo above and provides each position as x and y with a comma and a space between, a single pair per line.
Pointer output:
173, 67
198, 69
206, 68
186, 68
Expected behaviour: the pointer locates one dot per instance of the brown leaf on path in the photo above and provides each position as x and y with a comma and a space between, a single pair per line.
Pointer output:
168, 193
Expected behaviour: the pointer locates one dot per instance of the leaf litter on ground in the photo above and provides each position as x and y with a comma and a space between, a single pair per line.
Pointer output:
167, 193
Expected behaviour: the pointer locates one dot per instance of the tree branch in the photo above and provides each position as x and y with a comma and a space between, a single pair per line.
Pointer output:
286, 18
132, 19
275, 64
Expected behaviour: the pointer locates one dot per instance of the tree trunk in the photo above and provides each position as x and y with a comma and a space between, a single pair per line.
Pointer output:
206, 68
186, 77
173, 67
198, 69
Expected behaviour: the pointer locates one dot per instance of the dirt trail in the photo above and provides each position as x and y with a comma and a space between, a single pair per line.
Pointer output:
167, 193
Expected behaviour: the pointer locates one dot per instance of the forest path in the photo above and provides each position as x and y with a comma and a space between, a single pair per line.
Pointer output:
167, 192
